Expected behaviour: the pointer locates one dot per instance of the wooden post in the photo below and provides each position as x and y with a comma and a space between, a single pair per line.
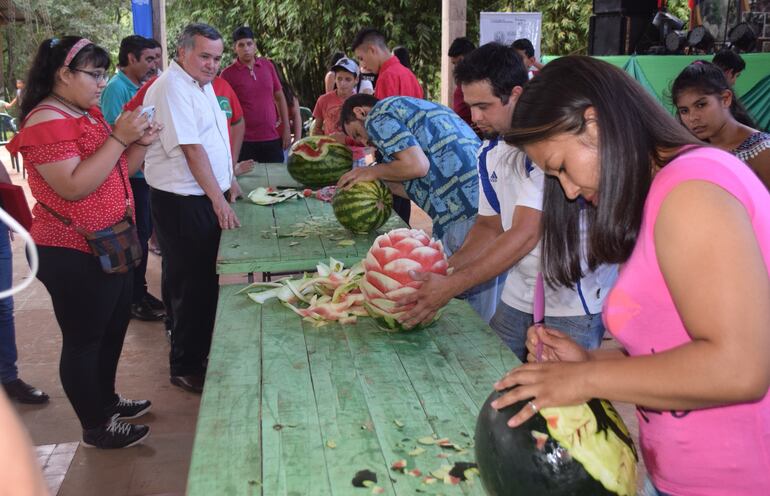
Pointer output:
452, 26
3, 87
159, 28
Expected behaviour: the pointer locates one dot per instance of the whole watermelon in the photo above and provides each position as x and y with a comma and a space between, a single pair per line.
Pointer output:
364, 207
318, 161
570, 451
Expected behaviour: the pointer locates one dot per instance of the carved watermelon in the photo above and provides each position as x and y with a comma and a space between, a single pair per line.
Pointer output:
386, 272
318, 161
570, 451
364, 207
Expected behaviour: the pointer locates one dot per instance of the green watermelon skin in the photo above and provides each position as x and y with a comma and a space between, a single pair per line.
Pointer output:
318, 161
511, 464
364, 207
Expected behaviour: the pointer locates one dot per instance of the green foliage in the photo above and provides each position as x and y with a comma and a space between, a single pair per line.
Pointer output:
299, 35
105, 22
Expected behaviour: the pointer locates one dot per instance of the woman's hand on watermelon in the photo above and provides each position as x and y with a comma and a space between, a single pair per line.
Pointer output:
357, 175
544, 385
421, 305
556, 346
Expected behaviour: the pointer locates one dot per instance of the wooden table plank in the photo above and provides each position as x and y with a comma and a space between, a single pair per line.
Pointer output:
278, 391
224, 460
350, 441
400, 388
292, 447
254, 247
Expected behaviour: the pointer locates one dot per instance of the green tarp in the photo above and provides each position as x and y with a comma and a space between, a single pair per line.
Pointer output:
656, 72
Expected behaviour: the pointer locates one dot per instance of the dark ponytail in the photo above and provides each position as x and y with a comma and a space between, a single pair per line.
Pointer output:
708, 79
48, 59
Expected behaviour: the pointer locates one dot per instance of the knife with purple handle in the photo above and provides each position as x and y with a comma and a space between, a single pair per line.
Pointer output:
538, 312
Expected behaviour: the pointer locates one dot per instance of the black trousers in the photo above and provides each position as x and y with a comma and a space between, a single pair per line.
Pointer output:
92, 309
188, 232
144, 230
403, 207
262, 151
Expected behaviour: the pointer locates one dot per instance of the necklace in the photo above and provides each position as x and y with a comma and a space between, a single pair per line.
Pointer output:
71, 105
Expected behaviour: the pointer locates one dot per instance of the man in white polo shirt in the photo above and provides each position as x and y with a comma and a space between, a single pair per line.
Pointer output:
190, 174
506, 234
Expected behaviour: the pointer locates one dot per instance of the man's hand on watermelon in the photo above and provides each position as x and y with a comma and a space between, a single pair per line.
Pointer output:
357, 175
543, 385
556, 346
422, 305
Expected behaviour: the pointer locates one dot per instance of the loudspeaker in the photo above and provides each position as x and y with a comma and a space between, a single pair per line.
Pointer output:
615, 34
628, 7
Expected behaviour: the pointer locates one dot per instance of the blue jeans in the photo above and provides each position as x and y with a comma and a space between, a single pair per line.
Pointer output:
482, 298
511, 325
8, 355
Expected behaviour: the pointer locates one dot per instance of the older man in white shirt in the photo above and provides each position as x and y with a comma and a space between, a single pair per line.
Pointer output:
189, 170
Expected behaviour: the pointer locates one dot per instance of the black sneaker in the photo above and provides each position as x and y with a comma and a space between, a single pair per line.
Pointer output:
24, 393
115, 434
142, 311
127, 409
154, 303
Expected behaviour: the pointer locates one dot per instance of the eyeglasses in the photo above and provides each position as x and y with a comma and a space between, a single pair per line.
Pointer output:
98, 76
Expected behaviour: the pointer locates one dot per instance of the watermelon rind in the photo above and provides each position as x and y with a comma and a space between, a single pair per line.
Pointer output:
318, 161
364, 207
582, 450
388, 322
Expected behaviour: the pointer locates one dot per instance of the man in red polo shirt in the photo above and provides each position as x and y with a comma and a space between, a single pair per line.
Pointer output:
256, 84
393, 79
459, 48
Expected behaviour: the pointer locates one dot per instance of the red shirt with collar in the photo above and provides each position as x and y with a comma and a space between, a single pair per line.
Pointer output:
460, 107
255, 89
396, 80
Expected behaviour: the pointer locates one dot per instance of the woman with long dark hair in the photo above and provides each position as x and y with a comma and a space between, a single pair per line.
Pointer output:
78, 174
691, 307
706, 104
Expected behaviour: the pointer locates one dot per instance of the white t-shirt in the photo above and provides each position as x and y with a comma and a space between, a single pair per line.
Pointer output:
507, 179
366, 86
190, 115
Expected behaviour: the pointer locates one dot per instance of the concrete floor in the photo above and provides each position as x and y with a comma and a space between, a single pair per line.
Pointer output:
159, 466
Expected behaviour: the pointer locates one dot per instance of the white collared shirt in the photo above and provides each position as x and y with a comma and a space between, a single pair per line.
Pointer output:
190, 115
506, 181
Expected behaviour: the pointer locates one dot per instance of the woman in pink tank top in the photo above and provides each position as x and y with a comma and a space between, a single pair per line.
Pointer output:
691, 307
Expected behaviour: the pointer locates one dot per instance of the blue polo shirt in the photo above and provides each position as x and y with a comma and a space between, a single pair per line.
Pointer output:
117, 93
450, 191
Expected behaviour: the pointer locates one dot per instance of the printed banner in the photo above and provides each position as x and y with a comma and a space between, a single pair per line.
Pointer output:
142, 14
507, 27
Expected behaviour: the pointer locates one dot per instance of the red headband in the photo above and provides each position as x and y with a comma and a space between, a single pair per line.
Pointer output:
81, 43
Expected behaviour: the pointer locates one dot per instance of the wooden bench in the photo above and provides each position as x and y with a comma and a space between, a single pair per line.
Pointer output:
289, 409
264, 242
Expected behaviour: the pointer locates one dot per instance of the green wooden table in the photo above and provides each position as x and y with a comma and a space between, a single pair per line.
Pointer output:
289, 409
264, 242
